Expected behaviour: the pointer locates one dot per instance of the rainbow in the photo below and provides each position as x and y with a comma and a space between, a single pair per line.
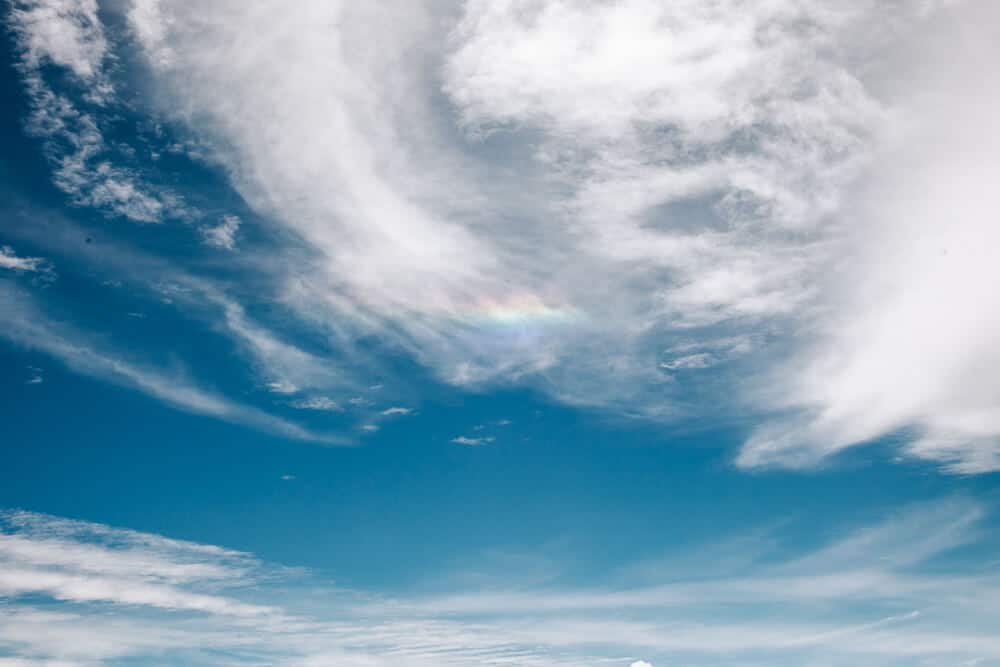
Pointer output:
520, 310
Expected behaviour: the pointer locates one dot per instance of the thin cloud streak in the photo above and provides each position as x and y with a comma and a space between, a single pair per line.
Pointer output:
30, 328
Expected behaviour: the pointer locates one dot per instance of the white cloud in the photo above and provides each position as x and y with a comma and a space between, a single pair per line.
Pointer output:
86, 593
554, 193
472, 442
36, 376
272, 358
222, 235
54, 557
282, 387
318, 403
910, 344
690, 193
699, 360
10, 260
396, 410
67, 33
29, 327
641, 663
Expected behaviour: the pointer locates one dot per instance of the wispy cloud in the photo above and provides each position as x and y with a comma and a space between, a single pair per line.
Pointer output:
10, 260
222, 235
566, 195
282, 387
55, 558
865, 599
29, 327
70, 35
317, 403
684, 144
473, 442
37, 376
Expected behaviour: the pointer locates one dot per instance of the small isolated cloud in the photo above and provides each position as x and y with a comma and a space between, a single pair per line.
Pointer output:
472, 442
389, 412
281, 387
9, 260
36, 265
690, 361
222, 235
287, 478
318, 403
640, 663
369, 428
359, 402
36, 376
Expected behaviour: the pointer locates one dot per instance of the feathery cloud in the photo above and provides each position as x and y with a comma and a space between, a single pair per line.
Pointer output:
553, 194
87, 593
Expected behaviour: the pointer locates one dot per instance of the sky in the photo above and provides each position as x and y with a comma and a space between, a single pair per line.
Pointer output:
514, 333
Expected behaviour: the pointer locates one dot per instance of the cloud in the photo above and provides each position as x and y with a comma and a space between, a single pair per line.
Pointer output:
69, 35
688, 158
394, 411
282, 387
317, 403
222, 235
663, 210
695, 361
909, 342
274, 360
88, 594
29, 327
472, 442
9, 260
641, 663
41, 270
52, 557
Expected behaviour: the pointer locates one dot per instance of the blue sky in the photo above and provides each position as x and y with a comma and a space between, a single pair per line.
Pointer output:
523, 332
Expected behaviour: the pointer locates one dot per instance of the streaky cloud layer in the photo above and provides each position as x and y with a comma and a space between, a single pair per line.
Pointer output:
127, 595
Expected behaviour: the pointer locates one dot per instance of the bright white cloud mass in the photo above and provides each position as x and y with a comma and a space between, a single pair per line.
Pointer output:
479, 235
134, 596
667, 210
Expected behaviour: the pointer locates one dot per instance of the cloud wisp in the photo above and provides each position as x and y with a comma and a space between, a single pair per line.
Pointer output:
10, 261
29, 327
867, 598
